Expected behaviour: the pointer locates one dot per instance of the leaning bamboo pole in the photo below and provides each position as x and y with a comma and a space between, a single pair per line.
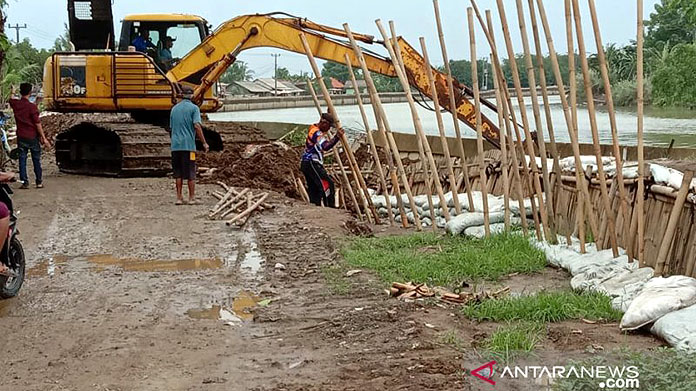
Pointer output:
371, 141
640, 201
504, 158
555, 182
479, 132
452, 109
416, 118
441, 127
551, 235
510, 121
367, 200
377, 105
667, 239
623, 195
525, 120
604, 191
339, 161
393, 174
570, 123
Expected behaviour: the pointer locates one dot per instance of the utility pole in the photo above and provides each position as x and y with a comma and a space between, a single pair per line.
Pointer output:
275, 73
17, 27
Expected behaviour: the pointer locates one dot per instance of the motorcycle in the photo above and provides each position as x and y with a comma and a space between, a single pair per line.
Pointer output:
12, 254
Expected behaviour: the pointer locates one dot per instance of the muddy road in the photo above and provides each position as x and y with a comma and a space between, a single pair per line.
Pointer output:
127, 291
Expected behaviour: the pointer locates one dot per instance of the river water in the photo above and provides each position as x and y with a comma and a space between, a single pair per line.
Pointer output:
661, 125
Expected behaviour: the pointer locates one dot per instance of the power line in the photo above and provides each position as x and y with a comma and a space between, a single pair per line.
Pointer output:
17, 27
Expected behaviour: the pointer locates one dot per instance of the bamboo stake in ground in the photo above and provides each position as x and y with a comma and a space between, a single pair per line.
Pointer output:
551, 236
570, 123
504, 161
510, 117
371, 141
479, 132
416, 119
393, 174
666, 244
339, 161
623, 195
367, 200
441, 128
382, 117
525, 119
580, 220
593, 127
555, 182
453, 109
641, 163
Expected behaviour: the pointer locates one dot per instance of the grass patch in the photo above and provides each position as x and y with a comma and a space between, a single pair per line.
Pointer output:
336, 280
514, 340
545, 307
445, 261
662, 369
451, 338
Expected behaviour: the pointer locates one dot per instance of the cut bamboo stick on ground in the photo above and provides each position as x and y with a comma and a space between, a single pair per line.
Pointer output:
227, 204
452, 109
265, 205
623, 195
381, 115
367, 200
248, 210
640, 203
604, 191
371, 141
416, 119
479, 131
440, 127
541, 142
302, 190
661, 264
339, 161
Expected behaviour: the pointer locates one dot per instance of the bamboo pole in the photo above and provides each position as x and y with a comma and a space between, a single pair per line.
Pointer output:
666, 244
570, 122
453, 110
391, 157
441, 128
504, 161
382, 116
248, 210
593, 127
641, 161
428, 180
339, 161
370, 140
479, 131
547, 106
580, 216
551, 234
614, 129
365, 196
525, 119
510, 122
416, 119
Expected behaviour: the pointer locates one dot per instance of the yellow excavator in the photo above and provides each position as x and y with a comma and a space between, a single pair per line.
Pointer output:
101, 75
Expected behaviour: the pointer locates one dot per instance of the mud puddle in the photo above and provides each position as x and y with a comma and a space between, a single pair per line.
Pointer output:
100, 263
252, 260
239, 310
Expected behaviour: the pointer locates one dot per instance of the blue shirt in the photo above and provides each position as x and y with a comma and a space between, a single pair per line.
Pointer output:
141, 44
316, 145
182, 118
165, 54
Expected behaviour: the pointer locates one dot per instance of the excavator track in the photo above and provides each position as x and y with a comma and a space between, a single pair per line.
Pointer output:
124, 149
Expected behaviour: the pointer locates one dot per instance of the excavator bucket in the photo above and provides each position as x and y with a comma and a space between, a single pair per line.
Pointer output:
91, 24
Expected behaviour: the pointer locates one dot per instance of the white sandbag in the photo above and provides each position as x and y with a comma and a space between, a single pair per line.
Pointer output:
496, 228
379, 201
441, 222
659, 297
382, 211
495, 203
626, 296
593, 260
458, 224
426, 221
615, 284
610, 278
630, 172
669, 177
678, 328
568, 163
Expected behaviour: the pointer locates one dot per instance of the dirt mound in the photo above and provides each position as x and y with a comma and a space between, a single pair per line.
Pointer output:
55, 123
259, 166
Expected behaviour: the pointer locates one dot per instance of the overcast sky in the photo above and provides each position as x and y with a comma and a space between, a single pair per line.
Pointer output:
414, 18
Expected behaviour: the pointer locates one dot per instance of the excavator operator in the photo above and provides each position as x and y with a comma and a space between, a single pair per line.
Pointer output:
320, 186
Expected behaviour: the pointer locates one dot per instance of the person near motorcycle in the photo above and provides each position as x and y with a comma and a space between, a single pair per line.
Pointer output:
30, 135
4, 221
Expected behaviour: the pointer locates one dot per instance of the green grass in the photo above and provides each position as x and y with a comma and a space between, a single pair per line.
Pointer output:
451, 338
336, 280
545, 307
514, 340
659, 370
444, 260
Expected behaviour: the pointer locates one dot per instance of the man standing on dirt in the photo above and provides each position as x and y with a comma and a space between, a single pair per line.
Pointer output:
30, 135
320, 186
185, 122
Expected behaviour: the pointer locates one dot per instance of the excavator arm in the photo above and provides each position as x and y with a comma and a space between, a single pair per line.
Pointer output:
206, 63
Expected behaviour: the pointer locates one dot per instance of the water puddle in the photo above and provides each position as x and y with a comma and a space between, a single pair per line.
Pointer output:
101, 262
48, 267
253, 260
239, 310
